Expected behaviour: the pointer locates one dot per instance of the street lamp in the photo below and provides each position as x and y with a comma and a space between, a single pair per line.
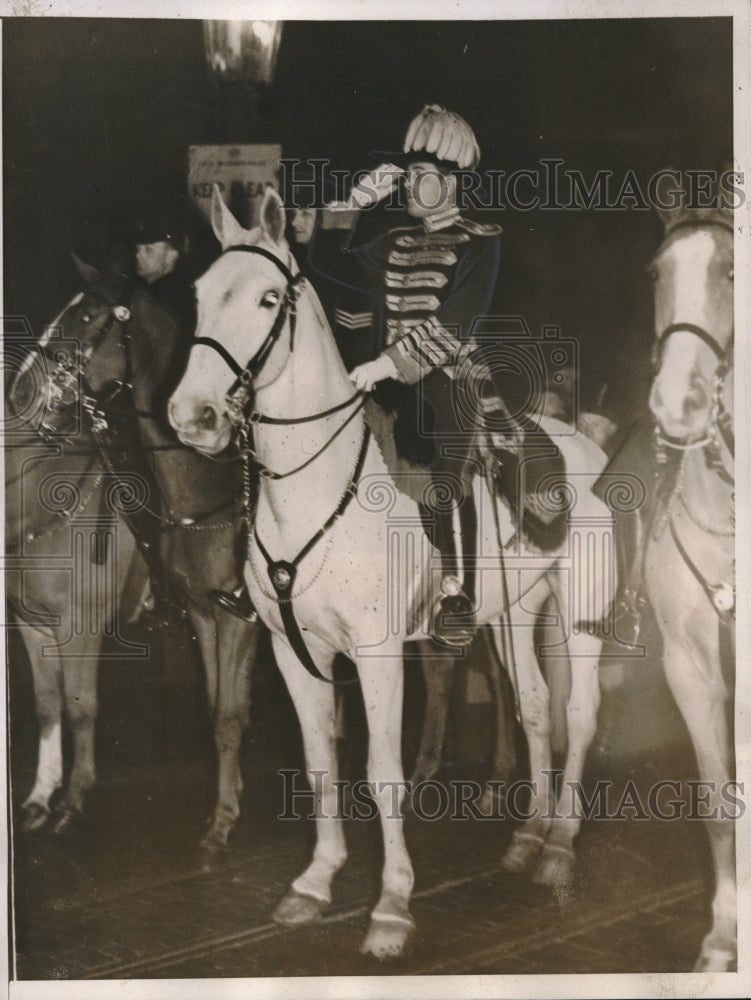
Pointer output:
242, 51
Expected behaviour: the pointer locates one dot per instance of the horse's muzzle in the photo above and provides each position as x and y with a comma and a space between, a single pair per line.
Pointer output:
684, 417
202, 427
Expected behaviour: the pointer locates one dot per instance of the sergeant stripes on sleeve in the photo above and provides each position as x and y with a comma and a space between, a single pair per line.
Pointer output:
353, 320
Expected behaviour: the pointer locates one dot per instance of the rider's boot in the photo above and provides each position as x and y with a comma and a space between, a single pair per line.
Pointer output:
454, 622
631, 599
237, 602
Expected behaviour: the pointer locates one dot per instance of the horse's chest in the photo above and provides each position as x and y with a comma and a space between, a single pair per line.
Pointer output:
336, 593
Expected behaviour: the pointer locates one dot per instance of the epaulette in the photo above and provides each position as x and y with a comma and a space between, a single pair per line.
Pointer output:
479, 228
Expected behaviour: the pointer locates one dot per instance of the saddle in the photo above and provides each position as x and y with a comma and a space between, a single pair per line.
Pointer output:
529, 472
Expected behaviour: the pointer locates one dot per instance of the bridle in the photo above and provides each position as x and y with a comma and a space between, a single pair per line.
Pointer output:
721, 421
721, 595
241, 393
239, 398
67, 383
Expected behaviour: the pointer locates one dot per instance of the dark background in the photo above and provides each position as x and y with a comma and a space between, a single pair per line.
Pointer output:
99, 113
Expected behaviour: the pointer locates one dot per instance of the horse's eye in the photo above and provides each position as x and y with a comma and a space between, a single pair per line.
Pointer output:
85, 318
270, 299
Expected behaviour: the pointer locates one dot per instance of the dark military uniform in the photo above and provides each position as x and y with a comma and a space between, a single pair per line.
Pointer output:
430, 282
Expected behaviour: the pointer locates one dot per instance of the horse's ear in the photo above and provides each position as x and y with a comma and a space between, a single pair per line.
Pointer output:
88, 274
226, 228
666, 216
670, 197
273, 216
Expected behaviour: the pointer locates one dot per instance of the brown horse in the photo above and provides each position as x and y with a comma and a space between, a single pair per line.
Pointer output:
101, 366
690, 551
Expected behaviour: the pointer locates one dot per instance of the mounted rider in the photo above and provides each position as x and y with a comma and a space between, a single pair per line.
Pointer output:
433, 279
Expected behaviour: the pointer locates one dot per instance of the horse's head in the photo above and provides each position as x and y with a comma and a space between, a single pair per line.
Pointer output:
110, 335
78, 354
693, 272
244, 312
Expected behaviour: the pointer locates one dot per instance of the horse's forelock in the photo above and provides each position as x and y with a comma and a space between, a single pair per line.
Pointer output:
248, 237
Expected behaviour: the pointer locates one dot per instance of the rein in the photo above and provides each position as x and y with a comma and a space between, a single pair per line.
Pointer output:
722, 595
721, 422
60, 517
239, 396
245, 376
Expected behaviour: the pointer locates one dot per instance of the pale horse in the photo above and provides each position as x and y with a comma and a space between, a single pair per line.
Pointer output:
690, 548
358, 571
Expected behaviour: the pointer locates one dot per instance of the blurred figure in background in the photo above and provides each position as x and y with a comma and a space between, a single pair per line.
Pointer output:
158, 240
348, 308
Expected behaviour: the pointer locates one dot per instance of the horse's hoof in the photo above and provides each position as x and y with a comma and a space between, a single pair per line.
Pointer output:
716, 960
522, 852
33, 817
298, 908
389, 936
66, 822
212, 855
555, 869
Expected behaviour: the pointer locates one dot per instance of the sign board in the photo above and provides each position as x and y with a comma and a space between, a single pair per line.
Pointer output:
242, 174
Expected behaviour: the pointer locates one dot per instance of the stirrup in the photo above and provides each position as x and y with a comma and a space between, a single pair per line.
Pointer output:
627, 618
453, 604
239, 605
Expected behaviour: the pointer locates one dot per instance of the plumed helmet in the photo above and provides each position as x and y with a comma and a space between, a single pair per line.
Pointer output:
444, 136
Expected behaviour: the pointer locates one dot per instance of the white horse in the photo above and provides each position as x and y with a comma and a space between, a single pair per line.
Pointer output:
360, 582
689, 559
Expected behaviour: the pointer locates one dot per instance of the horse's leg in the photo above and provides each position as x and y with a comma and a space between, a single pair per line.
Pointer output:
205, 632
48, 699
80, 690
219, 679
235, 643
504, 753
556, 864
695, 678
438, 672
382, 680
310, 894
534, 703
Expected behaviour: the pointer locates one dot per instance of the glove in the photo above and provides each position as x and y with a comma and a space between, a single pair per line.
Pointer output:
375, 186
365, 376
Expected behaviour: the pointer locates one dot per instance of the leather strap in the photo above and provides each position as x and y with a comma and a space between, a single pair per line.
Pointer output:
711, 590
283, 573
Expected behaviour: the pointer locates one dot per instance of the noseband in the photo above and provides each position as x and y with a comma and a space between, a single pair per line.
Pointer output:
241, 390
720, 418
67, 382
283, 573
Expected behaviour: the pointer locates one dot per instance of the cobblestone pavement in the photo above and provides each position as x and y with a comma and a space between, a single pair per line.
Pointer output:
126, 898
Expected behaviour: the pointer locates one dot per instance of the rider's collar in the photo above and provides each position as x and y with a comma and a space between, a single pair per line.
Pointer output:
441, 220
